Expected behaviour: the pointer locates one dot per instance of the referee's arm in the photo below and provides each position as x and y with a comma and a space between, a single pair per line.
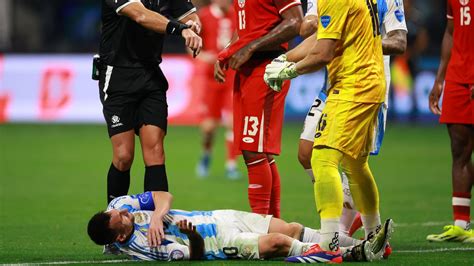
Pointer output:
158, 23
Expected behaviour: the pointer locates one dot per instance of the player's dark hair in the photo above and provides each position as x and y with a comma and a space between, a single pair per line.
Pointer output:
99, 230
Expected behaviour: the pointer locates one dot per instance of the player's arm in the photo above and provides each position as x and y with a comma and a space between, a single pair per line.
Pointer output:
287, 29
162, 201
437, 89
299, 52
322, 53
154, 21
395, 42
196, 241
309, 26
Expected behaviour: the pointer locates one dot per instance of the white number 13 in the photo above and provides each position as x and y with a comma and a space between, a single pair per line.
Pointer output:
254, 126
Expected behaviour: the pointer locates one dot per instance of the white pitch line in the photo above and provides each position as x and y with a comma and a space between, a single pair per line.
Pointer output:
433, 250
423, 224
120, 261
69, 262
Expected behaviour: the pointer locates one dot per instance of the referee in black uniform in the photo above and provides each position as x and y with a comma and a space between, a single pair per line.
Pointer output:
133, 87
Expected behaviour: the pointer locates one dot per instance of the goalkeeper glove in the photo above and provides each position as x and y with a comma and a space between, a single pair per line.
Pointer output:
278, 71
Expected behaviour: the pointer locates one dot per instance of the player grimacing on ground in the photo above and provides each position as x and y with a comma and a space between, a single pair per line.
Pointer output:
206, 235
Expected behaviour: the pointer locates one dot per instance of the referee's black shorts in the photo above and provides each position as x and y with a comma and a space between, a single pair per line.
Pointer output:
133, 97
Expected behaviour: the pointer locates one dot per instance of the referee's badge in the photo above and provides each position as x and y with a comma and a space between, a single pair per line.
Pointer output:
241, 3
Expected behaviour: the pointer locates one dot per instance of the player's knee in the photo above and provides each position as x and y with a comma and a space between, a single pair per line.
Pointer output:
295, 230
278, 241
123, 160
461, 151
251, 157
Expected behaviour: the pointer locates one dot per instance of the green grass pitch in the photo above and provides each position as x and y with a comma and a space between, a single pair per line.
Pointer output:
52, 179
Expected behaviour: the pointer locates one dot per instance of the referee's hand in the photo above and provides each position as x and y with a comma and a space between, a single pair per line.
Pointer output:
192, 41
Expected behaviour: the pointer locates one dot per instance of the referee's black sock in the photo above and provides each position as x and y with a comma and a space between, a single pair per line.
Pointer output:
155, 178
117, 183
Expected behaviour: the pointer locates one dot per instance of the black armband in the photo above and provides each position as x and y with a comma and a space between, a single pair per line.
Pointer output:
175, 28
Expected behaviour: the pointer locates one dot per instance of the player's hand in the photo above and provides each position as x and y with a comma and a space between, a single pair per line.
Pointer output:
194, 26
219, 72
192, 40
240, 57
155, 231
278, 71
435, 94
186, 227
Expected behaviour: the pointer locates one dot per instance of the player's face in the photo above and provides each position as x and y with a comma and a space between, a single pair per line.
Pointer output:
121, 221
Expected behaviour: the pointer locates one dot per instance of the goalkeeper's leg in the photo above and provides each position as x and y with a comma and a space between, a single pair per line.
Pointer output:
364, 191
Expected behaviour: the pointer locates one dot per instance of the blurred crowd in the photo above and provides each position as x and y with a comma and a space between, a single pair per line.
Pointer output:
72, 26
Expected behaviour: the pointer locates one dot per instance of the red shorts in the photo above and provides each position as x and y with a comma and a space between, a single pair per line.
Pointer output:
457, 106
216, 99
258, 110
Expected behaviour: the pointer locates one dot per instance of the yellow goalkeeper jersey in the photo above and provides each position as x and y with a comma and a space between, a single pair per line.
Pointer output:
356, 73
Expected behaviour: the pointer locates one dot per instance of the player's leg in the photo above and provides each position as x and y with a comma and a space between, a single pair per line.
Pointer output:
118, 103
152, 123
208, 127
276, 188
118, 176
279, 245
151, 140
259, 114
231, 159
305, 147
364, 192
457, 114
462, 176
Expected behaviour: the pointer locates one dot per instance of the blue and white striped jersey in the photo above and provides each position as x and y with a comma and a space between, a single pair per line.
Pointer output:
215, 227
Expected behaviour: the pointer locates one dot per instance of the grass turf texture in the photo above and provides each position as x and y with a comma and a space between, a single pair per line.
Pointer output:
53, 178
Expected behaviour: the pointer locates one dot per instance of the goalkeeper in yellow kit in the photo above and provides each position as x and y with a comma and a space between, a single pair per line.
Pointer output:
349, 44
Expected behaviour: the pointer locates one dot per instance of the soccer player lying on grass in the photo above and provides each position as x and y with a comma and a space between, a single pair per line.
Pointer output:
207, 235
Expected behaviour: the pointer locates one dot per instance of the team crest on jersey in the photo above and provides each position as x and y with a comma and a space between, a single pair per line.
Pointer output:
325, 20
144, 198
241, 3
464, 2
140, 217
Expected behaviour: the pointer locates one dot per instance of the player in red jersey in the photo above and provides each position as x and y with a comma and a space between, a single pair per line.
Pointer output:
216, 100
263, 28
456, 71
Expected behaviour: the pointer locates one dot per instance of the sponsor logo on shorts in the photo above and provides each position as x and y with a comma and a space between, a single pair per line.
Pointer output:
255, 186
176, 255
115, 121
248, 140
464, 2
241, 3
317, 135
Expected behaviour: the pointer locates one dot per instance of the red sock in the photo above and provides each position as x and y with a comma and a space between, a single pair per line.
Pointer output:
462, 209
229, 143
275, 198
260, 185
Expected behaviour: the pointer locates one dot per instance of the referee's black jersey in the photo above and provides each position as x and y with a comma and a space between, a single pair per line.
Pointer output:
124, 43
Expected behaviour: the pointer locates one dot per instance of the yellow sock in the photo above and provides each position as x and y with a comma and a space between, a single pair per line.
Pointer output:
327, 186
362, 183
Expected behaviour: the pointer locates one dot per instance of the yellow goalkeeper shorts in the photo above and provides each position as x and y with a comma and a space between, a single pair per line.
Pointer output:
347, 126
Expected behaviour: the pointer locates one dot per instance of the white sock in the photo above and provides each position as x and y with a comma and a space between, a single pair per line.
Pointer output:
330, 234
310, 235
347, 241
298, 248
347, 219
462, 223
310, 174
370, 222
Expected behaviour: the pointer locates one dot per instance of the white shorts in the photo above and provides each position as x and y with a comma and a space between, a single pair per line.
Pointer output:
239, 232
312, 117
